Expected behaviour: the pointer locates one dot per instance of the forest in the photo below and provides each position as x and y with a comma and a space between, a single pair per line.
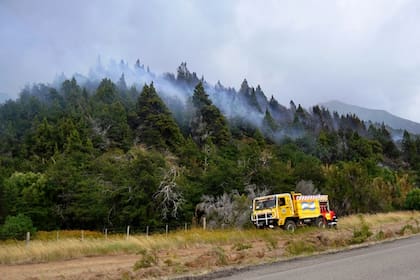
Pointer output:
107, 151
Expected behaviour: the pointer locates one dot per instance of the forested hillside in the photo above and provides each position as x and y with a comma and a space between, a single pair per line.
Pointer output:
124, 146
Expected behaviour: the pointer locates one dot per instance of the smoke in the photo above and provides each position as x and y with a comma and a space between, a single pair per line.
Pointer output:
170, 87
245, 109
360, 52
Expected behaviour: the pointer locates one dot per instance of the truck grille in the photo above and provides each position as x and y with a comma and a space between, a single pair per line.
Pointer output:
263, 216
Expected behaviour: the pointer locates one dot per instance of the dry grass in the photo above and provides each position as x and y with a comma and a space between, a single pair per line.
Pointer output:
43, 251
221, 243
381, 219
66, 234
48, 248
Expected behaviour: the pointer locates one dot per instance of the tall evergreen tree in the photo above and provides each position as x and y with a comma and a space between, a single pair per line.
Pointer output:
156, 126
72, 92
261, 98
269, 124
409, 150
208, 123
383, 136
244, 90
122, 85
106, 92
253, 102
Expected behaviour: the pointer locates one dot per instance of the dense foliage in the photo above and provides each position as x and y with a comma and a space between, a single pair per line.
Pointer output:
413, 200
99, 154
16, 227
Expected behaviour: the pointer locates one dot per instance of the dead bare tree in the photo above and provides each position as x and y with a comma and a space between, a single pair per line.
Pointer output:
253, 191
218, 210
230, 209
101, 131
169, 195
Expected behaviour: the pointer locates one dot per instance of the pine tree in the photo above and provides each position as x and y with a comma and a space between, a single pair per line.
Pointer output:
72, 95
185, 76
122, 85
269, 123
156, 126
261, 98
253, 102
409, 149
106, 92
208, 123
244, 90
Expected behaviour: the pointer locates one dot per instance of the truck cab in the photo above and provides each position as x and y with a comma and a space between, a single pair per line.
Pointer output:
271, 210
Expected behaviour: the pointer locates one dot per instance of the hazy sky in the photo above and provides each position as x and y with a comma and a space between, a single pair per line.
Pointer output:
361, 52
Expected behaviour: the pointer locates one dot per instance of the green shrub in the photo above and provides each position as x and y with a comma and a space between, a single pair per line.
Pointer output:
241, 246
221, 256
412, 201
149, 259
361, 234
299, 247
380, 235
406, 228
270, 240
16, 227
417, 225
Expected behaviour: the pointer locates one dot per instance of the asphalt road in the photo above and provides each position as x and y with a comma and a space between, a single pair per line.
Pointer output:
398, 259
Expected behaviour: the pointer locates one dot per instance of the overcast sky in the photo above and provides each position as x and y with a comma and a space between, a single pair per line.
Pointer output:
361, 52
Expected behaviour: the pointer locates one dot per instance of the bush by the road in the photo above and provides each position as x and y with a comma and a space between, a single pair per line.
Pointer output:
412, 201
16, 227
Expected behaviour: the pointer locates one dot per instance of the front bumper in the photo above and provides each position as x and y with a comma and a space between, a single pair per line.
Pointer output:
264, 220
333, 222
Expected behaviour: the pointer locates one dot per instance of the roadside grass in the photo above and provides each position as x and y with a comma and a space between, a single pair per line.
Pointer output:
362, 232
226, 246
48, 248
300, 247
44, 251
380, 219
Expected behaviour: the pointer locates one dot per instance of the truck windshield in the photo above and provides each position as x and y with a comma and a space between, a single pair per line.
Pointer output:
265, 203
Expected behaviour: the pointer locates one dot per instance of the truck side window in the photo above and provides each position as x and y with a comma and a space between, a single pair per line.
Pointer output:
282, 201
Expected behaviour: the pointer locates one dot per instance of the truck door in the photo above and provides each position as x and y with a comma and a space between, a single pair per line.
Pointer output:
285, 207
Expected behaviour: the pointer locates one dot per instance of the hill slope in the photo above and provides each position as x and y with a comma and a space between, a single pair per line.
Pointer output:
376, 116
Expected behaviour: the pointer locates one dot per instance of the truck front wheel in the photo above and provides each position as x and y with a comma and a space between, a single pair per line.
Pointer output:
320, 222
290, 226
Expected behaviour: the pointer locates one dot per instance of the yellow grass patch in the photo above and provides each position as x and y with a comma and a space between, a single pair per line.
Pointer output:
227, 245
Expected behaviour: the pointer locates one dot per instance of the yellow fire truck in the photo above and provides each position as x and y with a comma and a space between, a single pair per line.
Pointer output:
288, 210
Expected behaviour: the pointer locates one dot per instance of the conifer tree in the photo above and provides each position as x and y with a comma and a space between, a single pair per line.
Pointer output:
122, 85
106, 92
253, 101
269, 123
72, 95
208, 123
156, 126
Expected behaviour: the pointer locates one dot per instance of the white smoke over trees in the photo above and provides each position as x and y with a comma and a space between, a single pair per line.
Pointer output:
306, 188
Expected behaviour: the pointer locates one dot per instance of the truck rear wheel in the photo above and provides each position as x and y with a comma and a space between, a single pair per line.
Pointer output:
290, 226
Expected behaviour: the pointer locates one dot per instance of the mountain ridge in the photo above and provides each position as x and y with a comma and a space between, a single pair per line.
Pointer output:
373, 115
